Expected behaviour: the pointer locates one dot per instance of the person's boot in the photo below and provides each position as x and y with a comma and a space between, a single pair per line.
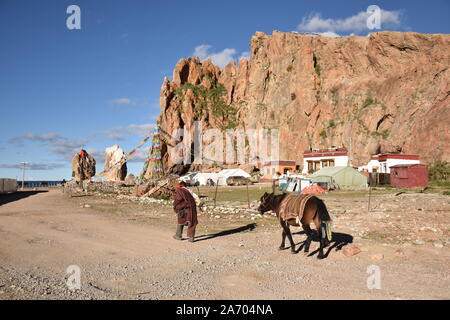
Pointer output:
179, 232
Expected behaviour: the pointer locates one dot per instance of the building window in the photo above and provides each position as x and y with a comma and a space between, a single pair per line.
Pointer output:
316, 165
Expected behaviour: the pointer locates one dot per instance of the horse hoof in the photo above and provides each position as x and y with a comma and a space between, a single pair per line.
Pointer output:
281, 248
320, 257
293, 252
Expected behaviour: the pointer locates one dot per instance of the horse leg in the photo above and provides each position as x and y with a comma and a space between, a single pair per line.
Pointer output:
283, 240
322, 245
287, 233
309, 234
318, 224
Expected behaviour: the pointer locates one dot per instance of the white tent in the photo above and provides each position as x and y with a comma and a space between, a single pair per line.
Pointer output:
202, 177
223, 175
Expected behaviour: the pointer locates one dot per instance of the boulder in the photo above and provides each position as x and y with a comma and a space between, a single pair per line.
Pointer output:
83, 166
130, 179
112, 156
377, 256
350, 250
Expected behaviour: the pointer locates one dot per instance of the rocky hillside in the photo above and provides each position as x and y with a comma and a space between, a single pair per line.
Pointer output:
386, 92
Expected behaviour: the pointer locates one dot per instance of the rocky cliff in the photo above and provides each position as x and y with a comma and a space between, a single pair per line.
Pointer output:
389, 91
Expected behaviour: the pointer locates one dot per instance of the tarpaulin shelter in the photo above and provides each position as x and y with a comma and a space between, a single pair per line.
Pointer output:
203, 177
295, 184
343, 177
314, 189
223, 175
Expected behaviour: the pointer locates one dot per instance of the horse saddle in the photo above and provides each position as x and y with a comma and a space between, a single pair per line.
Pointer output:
292, 206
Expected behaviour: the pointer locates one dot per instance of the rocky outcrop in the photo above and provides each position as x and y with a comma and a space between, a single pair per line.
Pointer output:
130, 179
389, 91
83, 166
112, 156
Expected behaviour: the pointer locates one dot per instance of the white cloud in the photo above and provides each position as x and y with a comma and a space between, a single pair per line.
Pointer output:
48, 137
245, 55
119, 133
33, 166
141, 155
66, 148
329, 34
202, 51
221, 58
123, 101
99, 155
68, 143
354, 24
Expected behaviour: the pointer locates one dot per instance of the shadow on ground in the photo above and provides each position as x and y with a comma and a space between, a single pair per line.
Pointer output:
248, 227
10, 197
338, 240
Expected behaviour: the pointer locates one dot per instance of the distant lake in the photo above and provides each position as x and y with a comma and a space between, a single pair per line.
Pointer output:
38, 183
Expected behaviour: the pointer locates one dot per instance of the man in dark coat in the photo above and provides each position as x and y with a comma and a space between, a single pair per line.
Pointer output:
186, 209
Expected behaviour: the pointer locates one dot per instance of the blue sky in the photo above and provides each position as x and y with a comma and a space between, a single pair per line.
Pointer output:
61, 89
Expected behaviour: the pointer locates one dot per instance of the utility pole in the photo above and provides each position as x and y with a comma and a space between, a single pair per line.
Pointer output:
23, 173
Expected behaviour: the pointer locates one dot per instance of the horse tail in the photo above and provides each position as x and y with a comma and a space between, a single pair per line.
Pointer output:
325, 219
322, 211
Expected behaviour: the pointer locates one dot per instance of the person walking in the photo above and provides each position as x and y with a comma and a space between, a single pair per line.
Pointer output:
185, 207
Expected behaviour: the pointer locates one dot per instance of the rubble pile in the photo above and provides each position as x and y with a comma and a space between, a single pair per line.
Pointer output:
109, 187
130, 179
161, 188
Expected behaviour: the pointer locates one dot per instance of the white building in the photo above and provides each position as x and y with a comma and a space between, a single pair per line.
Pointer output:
316, 159
382, 162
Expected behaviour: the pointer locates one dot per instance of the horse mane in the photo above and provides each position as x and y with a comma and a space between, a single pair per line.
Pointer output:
276, 200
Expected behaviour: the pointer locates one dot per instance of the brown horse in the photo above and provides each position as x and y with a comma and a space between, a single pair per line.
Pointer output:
314, 211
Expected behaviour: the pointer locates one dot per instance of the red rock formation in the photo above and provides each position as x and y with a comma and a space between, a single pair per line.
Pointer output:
385, 92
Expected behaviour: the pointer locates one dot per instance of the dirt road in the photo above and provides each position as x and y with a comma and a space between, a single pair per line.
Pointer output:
41, 235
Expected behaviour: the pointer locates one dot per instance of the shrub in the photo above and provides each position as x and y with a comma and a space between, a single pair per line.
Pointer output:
323, 134
332, 124
439, 171
368, 102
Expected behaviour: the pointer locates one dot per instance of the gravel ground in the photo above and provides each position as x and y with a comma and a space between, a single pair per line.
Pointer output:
125, 251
